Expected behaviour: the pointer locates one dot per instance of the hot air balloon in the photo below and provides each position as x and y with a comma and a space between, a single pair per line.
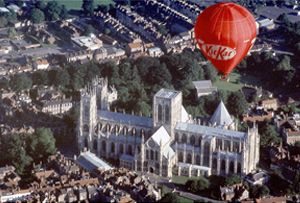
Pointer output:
225, 32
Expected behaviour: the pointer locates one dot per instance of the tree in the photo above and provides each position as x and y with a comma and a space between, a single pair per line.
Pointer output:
243, 64
296, 182
4, 83
53, 10
237, 103
283, 18
41, 144
259, 191
40, 78
20, 82
232, 180
11, 32
210, 72
107, 31
2, 3
197, 185
170, 197
3, 21
88, 7
13, 153
284, 64
37, 16
89, 29
64, 14
268, 135
11, 17
61, 78
41, 4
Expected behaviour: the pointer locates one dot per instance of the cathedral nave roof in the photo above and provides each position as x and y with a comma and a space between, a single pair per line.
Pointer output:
209, 131
126, 119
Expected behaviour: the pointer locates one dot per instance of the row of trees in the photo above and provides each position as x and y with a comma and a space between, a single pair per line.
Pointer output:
282, 67
21, 150
137, 81
48, 11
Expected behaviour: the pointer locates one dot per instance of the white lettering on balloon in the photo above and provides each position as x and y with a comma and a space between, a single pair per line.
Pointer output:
218, 52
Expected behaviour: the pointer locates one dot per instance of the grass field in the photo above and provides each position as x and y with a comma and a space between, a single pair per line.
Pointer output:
236, 82
181, 180
76, 4
185, 200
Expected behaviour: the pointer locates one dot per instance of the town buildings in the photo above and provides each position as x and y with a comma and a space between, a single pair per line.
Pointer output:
289, 128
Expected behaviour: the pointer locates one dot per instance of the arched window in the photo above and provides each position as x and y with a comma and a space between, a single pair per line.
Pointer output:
108, 127
200, 141
125, 130
197, 160
86, 143
227, 145
219, 144
151, 154
99, 126
167, 114
95, 145
156, 155
117, 129
103, 146
239, 168
147, 154
231, 167
214, 164
189, 158
129, 150
112, 147
86, 128
192, 140
121, 149
142, 132
159, 113
236, 146
206, 154
180, 157
86, 111
223, 166
133, 131
177, 137
184, 138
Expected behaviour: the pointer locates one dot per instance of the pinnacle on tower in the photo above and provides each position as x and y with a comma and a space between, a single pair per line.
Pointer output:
221, 117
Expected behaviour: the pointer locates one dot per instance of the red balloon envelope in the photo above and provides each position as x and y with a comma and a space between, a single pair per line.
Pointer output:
225, 32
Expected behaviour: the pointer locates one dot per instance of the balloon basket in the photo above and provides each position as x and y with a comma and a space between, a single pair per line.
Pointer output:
224, 78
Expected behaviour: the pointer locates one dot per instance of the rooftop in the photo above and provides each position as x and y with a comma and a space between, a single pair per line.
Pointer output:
90, 162
203, 84
221, 116
161, 136
165, 93
125, 118
211, 131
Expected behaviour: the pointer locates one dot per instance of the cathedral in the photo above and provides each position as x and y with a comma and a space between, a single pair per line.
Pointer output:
169, 143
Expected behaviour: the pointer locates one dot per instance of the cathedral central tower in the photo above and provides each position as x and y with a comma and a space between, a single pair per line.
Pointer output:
167, 107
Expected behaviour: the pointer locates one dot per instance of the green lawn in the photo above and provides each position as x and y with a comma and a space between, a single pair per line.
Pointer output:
185, 200
236, 82
76, 4
181, 179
